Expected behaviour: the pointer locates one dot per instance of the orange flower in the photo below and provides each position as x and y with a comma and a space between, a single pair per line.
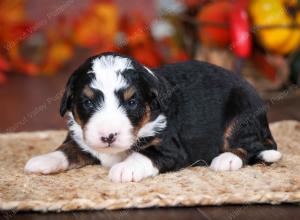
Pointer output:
97, 25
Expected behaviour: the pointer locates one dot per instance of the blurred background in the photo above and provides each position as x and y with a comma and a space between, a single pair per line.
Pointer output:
42, 42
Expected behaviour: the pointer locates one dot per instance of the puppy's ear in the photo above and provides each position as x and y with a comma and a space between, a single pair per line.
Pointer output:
159, 90
66, 101
160, 97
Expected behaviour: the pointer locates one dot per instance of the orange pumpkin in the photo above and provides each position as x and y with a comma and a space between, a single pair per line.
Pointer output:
218, 13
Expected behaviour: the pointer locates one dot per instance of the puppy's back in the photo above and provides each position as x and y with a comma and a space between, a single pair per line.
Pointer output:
201, 93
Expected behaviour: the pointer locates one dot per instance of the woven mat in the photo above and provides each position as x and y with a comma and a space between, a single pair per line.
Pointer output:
89, 187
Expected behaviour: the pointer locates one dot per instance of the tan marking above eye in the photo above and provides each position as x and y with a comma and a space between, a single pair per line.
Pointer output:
77, 117
128, 93
87, 91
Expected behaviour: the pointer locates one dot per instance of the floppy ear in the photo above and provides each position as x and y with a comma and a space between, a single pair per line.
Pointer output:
66, 101
159, 90
160, 96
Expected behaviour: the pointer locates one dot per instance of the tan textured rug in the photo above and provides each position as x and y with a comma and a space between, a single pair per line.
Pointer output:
89, 187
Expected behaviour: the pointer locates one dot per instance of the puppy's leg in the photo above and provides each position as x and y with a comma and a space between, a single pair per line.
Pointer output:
247, 137
67, 156
248, 143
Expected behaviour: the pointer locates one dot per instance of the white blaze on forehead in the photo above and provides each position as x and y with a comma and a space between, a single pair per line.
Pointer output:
108, 79
107, 72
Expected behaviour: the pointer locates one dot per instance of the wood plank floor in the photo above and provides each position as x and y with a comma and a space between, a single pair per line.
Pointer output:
33, 103
247, 212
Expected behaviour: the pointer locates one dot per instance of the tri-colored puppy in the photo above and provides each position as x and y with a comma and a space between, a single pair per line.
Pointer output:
143, 122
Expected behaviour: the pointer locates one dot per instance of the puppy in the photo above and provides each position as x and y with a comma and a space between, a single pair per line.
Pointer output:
142, 122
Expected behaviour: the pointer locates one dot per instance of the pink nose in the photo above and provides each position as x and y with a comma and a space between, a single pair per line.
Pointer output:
109, 139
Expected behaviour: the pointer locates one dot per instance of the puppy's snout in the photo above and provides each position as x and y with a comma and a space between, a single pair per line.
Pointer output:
110, 138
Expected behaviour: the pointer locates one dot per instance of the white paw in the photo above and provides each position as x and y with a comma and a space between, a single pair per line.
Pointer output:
270, 155
126, 172
135, 168
226, 161
47, 163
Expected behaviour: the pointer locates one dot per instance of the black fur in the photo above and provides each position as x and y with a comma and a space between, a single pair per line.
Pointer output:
203, 100
200, 102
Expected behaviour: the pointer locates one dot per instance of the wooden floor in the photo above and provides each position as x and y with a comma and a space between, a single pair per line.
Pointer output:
32, 104
251, 212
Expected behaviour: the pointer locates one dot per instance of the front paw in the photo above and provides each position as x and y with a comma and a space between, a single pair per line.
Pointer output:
47, 163
126, 172
135, 168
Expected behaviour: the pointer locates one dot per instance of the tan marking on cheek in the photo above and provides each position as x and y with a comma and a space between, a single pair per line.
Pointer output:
88, 92
77, 118
128, 93
144, 120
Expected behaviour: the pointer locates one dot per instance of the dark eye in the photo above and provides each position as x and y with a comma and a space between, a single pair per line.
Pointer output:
88, 103
132, 103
